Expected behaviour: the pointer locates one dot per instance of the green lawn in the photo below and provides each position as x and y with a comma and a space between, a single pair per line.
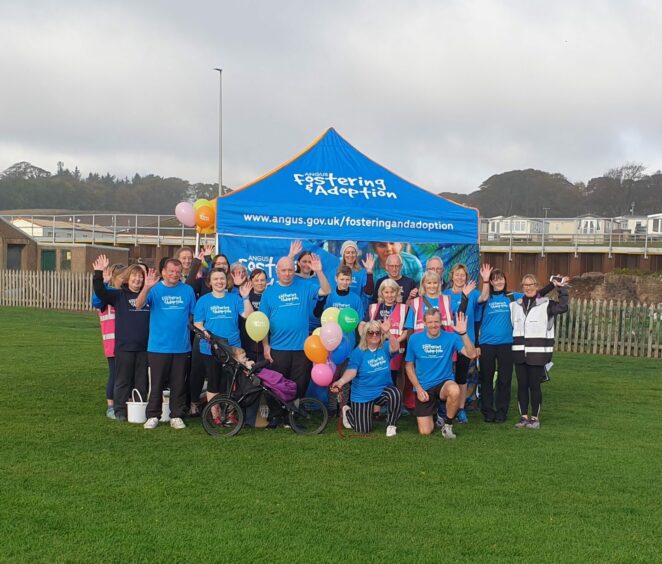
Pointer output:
76, 486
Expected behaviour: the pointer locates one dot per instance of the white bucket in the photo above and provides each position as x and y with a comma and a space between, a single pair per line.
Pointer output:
135, 410
165, 407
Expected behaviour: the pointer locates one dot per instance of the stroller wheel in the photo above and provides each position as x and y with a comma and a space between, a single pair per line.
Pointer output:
222, 417
310, 418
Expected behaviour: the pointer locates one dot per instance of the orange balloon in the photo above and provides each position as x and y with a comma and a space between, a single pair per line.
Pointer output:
212, 204
206, 231
315, 350
204, 217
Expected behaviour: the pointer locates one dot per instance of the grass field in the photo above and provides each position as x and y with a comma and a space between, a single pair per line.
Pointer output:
76, 486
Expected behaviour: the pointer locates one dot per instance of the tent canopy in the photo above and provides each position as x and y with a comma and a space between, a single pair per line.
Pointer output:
332, 191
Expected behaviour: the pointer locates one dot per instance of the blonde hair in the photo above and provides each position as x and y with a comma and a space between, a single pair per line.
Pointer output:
373, 325
531, 277
388, 283
428, 276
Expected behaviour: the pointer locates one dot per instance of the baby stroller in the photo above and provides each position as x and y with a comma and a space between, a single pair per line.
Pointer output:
223, 416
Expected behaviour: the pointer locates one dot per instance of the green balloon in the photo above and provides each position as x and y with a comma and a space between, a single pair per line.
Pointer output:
348, 319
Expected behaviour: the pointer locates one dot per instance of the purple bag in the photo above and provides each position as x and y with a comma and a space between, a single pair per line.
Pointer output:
284, 389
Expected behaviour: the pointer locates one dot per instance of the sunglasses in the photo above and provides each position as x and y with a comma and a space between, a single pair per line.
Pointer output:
374, 333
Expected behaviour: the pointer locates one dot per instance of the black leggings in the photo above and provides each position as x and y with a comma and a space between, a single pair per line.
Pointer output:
462, 368
130, 373
492, 356
197, 374
529, 379
360, 414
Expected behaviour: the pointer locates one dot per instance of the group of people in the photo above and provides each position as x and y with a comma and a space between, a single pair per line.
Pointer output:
411, 352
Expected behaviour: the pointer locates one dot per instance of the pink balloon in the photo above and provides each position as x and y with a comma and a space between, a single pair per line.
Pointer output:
321, 374
331, 335
185, 214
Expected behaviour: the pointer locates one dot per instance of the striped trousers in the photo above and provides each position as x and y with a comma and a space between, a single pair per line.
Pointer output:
360, 413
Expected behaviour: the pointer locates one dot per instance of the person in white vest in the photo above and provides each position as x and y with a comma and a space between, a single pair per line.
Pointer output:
533, 319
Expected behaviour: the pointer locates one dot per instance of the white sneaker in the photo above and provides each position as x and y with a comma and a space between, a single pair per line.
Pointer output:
151, 423
447, 432
391, 431
345, 421
177, 423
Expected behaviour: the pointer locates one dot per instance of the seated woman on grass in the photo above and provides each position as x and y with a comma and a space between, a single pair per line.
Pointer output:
369, 372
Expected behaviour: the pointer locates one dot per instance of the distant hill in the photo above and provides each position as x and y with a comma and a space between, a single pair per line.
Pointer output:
529, 192
532, 192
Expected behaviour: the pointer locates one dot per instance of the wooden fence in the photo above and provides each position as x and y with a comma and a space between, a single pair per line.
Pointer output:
593, 327
611, 328
46, 290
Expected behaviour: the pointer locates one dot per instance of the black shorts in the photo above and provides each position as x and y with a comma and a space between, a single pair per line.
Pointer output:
429, 408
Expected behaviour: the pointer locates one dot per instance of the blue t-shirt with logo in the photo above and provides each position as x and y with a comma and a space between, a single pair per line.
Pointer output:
456, 299
433, 358
288, 309
219, 316
373, 373
496, 327
170, 310
341, 302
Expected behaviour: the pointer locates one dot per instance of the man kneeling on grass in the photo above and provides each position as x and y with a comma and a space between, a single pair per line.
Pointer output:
429, 367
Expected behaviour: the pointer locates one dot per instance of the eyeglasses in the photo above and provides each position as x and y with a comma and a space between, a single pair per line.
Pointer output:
374, 333
528, 285
393, 266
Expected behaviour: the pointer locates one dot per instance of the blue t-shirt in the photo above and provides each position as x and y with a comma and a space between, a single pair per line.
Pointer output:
219, 316
359, 280
288, 309
496, 327
433, 358
373, 373
313, 322
456, 299
341, 302
168, 324
409, 321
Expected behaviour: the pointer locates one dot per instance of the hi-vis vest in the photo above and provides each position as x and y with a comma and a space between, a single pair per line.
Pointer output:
107, 319
533, 333
418, 305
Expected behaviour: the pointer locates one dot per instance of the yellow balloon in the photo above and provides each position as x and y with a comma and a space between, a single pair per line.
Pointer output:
200, 202
330, 314
317, 331
257, 326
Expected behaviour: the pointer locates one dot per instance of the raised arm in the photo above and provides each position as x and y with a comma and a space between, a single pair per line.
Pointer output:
316, 265
460, 328
245, 291
369, 265
150, 281
485, 272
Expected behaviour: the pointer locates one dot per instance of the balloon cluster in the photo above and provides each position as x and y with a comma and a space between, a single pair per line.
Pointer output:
327, 346
201, 215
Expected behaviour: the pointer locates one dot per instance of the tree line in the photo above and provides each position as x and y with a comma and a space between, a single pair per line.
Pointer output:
625, 190
620, 191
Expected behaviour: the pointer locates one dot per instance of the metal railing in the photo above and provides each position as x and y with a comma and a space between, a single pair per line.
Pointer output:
536, 234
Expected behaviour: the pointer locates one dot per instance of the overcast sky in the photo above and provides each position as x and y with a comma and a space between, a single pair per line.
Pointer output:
444, 93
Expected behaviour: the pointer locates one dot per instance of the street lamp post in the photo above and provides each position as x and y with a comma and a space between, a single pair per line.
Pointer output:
221, 190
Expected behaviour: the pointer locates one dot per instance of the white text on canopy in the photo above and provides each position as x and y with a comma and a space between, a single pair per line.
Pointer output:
328, 184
